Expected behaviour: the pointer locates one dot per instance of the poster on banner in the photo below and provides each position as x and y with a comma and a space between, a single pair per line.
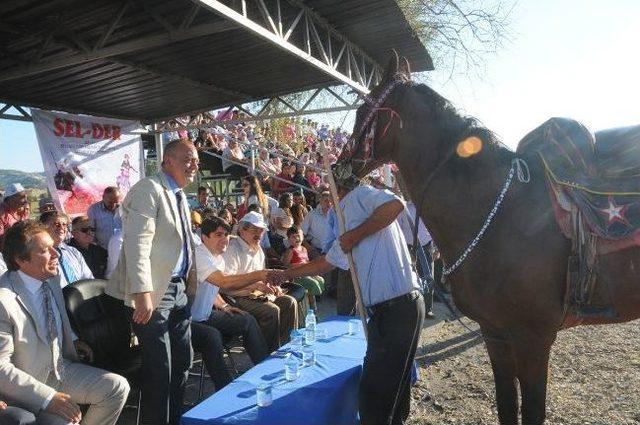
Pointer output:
82, 155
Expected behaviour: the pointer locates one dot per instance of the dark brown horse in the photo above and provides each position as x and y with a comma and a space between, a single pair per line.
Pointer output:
513, 282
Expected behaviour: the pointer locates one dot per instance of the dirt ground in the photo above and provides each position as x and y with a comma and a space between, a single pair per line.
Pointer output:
593, 379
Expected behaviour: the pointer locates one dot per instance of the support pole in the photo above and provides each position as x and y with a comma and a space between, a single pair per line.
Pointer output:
352, 264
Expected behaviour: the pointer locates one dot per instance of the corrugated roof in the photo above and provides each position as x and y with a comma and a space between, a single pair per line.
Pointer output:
166, 58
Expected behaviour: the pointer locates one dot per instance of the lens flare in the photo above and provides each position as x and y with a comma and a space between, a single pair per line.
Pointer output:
469, 146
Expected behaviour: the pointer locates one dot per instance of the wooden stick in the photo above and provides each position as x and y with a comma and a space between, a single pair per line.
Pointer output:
340, 215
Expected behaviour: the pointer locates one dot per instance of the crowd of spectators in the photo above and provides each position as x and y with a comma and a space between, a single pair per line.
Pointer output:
268, 228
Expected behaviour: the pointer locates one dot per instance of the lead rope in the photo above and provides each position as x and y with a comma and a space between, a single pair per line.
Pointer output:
519, 167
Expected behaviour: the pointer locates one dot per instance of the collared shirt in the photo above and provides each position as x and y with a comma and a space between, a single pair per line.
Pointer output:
3, 265
382, 259
180, 266
315, 226
333, 230
240, 258
104, 221
407, 219
71, 265
115, 247
206, 263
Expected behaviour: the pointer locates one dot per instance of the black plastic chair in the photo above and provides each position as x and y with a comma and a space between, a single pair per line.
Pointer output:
102, 322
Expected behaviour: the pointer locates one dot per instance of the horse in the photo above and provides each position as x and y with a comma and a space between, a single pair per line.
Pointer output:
512, 280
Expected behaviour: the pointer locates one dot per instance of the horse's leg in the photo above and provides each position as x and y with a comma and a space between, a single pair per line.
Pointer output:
504, 376
532, 357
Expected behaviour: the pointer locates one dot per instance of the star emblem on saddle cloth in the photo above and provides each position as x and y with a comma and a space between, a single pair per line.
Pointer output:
615, 212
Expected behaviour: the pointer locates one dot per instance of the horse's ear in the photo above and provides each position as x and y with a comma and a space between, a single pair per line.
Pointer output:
407, 67
392, 66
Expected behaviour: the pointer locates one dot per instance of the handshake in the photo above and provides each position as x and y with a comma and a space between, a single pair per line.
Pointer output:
276, 277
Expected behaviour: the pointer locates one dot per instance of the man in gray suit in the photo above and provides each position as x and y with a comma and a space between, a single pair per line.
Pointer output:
38, 362
151, 275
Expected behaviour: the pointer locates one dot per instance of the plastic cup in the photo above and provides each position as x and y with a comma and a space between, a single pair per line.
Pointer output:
264, 394
354, 325
322, 334
308, 356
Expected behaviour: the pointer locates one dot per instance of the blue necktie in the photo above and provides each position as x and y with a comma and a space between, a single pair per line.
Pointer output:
67, 270
185, 235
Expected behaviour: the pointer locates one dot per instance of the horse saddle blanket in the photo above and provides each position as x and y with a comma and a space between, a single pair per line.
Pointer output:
597, 173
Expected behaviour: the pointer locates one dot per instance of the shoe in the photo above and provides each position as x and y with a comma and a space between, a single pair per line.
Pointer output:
429, 315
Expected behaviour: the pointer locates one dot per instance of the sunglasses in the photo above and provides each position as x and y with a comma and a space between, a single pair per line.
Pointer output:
87, 229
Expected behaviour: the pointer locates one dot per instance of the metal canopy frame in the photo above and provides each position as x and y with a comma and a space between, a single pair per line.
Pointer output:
208, 120
105, 57
317, 39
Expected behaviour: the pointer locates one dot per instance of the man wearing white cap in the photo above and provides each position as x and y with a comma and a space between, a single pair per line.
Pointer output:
276, 312
14, 207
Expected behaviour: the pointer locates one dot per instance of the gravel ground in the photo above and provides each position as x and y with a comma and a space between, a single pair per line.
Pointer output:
593, 379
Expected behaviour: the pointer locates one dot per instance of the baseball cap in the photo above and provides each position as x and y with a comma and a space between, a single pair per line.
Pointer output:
12, 189
255, 219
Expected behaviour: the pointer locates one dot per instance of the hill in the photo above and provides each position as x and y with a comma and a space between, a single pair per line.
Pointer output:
28, 180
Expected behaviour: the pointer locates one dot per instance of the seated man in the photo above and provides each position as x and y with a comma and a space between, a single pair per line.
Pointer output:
38, 358
209, 326
71, 264
276, 312
83, 240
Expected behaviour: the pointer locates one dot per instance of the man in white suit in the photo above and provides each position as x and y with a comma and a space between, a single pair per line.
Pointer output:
156, 256
38, 361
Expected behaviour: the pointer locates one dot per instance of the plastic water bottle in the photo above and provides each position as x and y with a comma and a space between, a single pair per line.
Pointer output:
291, 368
310, 327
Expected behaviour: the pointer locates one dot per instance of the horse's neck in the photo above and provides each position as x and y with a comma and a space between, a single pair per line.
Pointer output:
454, 205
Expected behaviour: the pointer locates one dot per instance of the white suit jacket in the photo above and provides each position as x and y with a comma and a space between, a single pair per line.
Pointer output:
25, 351
152, 241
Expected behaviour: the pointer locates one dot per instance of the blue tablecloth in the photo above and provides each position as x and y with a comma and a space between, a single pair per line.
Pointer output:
326, 393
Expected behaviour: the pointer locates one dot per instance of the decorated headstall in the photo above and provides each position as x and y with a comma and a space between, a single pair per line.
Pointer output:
367, 129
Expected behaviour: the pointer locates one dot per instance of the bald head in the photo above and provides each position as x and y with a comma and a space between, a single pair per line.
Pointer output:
180, 161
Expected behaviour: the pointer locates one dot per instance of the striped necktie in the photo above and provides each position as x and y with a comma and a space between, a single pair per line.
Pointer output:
52, 330
185, 236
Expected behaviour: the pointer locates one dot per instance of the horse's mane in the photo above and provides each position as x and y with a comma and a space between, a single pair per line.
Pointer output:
455, 127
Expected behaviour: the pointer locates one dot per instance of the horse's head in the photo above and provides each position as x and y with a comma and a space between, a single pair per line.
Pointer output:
375, 129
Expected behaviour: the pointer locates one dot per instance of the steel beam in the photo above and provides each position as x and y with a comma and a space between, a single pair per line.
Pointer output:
274, 36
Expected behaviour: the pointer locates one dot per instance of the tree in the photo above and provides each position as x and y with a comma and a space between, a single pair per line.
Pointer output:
460, 34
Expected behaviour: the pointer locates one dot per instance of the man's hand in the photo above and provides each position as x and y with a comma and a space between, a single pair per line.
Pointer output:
84, 351
3, 405
276, 277
62, 405
232, 309
348, 240
143, 308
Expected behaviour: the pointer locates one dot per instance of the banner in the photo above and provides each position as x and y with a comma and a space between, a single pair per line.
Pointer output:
82, 155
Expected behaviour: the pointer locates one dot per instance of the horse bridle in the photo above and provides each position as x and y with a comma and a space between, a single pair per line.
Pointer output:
368, 127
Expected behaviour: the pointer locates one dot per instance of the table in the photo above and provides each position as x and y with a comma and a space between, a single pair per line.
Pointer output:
326, 393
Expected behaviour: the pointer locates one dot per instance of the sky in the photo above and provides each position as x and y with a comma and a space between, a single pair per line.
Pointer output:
571, 58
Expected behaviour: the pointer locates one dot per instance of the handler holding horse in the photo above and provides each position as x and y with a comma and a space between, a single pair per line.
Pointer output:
389, 292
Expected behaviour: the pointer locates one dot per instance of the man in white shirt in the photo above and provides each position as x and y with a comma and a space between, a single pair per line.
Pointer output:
390, 293
212, 318
316, 225
71, 263
234, 153
276, 312
39, 368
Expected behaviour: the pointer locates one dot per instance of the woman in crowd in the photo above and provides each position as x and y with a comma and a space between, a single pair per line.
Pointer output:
299, 208
253, 194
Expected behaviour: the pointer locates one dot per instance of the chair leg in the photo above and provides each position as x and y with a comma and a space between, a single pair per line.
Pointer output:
139, 405
201, 381
233, 362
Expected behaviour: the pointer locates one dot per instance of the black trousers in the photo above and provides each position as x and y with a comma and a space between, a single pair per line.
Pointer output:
385, 386
16, 416
165, 341
208, 339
